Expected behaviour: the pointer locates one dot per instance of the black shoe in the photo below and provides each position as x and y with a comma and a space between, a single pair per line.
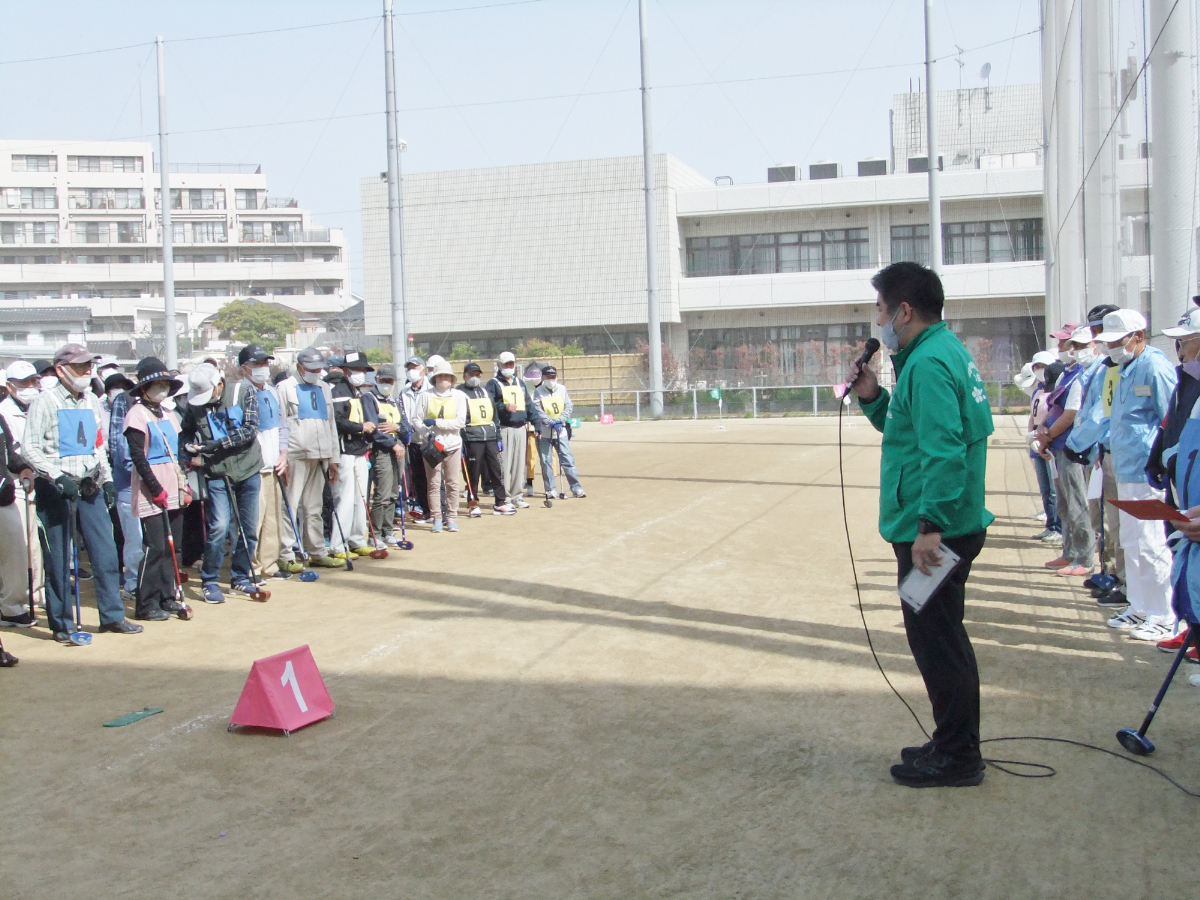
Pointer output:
155, 615
84, 574
172, 606
24, 620
938, 770
62, 637
908, 754
123, 627
1115, 598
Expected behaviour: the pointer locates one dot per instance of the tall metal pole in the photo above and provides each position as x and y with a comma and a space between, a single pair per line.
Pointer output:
1068, 234
395, 225
655, 327
935, 198
170, 338
1053, 304
1101, 196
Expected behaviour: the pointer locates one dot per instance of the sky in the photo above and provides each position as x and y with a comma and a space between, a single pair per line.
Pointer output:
738, 85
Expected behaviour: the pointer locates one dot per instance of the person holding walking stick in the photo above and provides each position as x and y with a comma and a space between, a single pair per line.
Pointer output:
387, 453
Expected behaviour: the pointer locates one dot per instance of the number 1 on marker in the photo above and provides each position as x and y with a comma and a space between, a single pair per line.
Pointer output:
289, 675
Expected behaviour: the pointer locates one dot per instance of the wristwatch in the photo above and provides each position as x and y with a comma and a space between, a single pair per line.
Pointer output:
924, 526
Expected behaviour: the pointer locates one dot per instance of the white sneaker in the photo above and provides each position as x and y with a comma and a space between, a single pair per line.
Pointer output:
1194, 679
475, 512
393, 540
1156, 628
579, 493
1127, 620
521, 504
504, 509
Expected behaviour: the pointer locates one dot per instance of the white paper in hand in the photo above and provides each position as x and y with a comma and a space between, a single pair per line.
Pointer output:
917, 588
1096, 484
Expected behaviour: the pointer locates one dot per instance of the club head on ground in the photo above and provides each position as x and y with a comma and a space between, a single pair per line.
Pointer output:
80, 638
405, 545
1104, 582
259, 595
186, 613
548, 503
1137, 744
379, 554
183, 577
309, 576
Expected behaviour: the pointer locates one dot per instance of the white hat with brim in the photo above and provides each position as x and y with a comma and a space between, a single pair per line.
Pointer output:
1025, 378
22, 369
1044, 358
201, 381
1082, 335
1188, 326
1121, 324
441, 367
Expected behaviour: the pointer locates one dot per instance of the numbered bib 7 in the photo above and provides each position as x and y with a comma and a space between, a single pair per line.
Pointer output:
268, 410
513, 394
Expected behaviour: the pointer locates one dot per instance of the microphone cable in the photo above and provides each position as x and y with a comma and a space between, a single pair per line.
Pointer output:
1044, 771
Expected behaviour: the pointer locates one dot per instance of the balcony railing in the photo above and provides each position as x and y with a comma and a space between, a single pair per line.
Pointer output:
280, 203
213, 168
317, 236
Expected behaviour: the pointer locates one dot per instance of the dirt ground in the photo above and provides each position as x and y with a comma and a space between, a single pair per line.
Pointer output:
660, 691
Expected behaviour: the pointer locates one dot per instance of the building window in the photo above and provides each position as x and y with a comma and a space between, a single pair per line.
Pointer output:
206, 199
35, 163
289, 290
910, 243
15, 337
105, 198
246, 199
285, 231
761, 254
325, 289
1016, 240
176, 198
254, 232
28, 198
28, 232
104, 164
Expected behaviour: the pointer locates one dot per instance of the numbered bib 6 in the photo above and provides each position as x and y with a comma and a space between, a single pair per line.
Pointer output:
76, 432
481, 410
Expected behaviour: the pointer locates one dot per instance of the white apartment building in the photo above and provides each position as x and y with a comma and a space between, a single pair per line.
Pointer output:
81, 258
760, 283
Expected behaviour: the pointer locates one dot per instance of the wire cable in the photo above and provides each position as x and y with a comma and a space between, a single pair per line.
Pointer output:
1041, 769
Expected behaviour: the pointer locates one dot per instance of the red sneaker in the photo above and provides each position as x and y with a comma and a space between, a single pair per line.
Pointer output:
1172, 645
1058, 563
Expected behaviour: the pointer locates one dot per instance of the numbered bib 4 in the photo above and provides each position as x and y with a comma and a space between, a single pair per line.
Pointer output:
76, 432
442, 408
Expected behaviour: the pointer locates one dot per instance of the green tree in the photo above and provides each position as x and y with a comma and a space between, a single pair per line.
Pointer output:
463, 351
536, 348
377, 356
573, 349
252, 322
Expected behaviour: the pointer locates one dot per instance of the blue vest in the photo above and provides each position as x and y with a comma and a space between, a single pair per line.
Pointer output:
76, 432
1185, 570
268, 410
1057, 400
310, 402
162, 436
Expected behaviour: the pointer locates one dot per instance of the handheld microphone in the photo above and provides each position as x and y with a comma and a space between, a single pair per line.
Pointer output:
869, 350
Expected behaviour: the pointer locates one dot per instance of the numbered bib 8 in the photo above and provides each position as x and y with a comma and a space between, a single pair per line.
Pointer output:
310, 402
554, 405
76, 432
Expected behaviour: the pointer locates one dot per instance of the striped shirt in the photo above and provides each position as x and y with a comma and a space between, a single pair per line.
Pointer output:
41, 445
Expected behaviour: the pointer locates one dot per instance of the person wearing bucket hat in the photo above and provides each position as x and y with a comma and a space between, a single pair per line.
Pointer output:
220, 437
442, 416
415, 384
157, 483
533, 376
23, 385
1140, 402
480, 448
387, 453
554, 433
1063, 403
1089, 442
313, 448
356, 430
1042, 459
254, 364
129, 526
64, 443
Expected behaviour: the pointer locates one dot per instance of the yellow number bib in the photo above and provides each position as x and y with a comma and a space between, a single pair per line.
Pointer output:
481, 410
442, 408
554, 406
356, 412
389, 412
1111, 377
513, 394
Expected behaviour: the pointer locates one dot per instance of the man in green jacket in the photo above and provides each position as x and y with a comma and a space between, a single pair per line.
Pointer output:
935, 427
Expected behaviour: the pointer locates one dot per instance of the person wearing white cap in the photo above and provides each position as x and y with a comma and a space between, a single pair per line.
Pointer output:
514, 409
416, 488
23, 385
1079, 541
441, 417
1042, 459
1089, 440
1143, 392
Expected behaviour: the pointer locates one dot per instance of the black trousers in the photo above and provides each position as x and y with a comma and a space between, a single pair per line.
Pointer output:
483, 465
418, 483
156, 580
943, 652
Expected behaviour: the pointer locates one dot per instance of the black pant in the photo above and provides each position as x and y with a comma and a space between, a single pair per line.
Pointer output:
418, 484
483, 459
191, 547
156, 580
943, 652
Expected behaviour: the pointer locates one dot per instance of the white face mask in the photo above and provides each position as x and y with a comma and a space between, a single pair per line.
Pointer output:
473, 381
550, 383
357, 378
386, 388
1066, 357
311, 377
49, 381
260, 374
414, 375
25, 395
78, 383
169, 403
1040, 375
1120, 355
1086, 356
508, 371
443, 383
157, 393
114, 394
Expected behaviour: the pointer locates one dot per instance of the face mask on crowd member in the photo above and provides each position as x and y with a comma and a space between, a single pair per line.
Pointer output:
386, 388
357, 377
311, 376
48, 381
1124, 334
1081, 346
1187, 342
443, 383
22, 382
73, 365
508, 364
472, 373
157, 392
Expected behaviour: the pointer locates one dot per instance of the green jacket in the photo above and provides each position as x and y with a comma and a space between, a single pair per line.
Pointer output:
935, 429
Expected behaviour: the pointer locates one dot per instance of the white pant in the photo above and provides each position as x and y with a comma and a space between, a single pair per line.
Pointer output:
29, 527
14, 560
347, 500
1147, 559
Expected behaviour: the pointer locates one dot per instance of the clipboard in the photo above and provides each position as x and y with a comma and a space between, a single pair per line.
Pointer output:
916, 588
1150, 510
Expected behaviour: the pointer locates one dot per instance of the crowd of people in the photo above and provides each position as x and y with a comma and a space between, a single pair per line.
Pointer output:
1109, 416
281, 471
